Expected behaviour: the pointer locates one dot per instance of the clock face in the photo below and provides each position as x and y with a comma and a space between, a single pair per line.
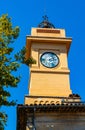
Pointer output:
49, 59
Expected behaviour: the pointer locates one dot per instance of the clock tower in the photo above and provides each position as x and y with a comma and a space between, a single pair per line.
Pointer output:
50, 104
49, 47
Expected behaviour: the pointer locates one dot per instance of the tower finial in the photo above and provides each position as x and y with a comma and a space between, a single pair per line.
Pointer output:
45, 18
45, 7
45, 23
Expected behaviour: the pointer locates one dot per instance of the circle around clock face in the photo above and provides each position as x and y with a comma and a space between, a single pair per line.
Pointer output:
49, 59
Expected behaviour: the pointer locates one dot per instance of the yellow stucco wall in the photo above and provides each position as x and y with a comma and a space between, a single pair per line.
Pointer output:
49, 84
49, 81
47, 32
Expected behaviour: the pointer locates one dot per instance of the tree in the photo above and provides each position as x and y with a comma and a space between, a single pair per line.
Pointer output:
8, 34
9, 64
20, 56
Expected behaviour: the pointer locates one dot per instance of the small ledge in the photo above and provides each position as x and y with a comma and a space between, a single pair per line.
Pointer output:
62, 71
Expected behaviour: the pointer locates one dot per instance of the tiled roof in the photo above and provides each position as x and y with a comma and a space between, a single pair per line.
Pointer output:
23, 111
66, 107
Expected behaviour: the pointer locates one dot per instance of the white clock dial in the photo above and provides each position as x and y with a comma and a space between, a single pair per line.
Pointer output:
49, 59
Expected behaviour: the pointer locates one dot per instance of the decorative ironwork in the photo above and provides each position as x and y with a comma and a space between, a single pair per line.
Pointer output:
45, 23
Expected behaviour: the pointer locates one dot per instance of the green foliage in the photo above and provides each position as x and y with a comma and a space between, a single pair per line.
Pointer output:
3, 120
8, 65
7, 32
20, 56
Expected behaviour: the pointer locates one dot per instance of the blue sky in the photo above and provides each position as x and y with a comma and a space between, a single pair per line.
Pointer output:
67, 14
